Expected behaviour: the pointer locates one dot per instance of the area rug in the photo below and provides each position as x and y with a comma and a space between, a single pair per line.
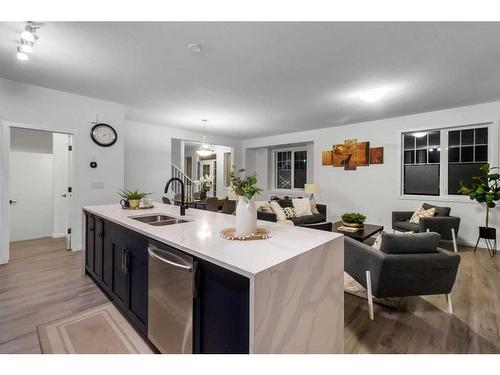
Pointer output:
354, 288
100, 330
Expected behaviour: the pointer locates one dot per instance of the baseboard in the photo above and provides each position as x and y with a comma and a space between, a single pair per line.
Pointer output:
58, 235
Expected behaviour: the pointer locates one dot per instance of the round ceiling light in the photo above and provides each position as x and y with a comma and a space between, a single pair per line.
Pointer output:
194, 47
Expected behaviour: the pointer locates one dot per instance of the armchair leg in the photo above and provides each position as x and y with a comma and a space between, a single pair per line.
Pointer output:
450, 306
369, 294
454, 237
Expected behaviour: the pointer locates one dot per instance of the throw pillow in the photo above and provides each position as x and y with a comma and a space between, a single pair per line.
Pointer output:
280, 214
378, 242
290, 212
263, 206
407, 243
314, 208
422, 212
302, 207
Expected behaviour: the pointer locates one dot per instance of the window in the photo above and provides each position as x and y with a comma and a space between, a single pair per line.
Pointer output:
291, 169
429, 171
422, 155
467, 152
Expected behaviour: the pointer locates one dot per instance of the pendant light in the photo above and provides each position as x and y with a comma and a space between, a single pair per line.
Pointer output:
205, 149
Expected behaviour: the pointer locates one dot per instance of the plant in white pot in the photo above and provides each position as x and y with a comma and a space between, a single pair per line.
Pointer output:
205, 183
246, 211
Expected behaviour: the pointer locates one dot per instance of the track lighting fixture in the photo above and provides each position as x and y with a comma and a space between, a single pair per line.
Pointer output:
28, 38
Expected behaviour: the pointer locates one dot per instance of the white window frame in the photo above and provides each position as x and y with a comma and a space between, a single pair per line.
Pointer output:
275, 169
493, 158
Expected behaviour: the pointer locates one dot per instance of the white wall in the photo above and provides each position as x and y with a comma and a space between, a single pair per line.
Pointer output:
375, 190
148, 151
44, 109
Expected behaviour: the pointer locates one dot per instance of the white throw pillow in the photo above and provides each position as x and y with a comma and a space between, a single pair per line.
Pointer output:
378, 242
421, 212
314, 208
289, 212
302, 207
280, 214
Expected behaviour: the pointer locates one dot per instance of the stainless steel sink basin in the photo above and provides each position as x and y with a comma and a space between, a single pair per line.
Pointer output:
159, 220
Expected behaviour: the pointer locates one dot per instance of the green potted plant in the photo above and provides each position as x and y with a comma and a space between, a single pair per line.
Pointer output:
132, 197
484, 188
353, 219
245, 187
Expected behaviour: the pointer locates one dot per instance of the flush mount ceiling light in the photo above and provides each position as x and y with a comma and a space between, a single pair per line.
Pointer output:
373, 95
22, 55
205, 149
194, 47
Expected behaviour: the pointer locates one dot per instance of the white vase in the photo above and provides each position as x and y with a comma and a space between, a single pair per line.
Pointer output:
246, 216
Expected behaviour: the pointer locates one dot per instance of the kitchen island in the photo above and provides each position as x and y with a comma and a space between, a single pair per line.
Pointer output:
279, 295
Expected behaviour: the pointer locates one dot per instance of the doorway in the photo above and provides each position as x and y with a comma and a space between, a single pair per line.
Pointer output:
208, 168
40, 190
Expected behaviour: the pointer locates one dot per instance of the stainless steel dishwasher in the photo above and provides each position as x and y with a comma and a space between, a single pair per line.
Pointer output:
170, 299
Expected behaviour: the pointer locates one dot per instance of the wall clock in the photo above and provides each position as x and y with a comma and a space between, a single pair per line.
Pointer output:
103, 134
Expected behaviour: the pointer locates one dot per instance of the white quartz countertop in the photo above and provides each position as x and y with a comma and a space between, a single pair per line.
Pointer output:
201, 237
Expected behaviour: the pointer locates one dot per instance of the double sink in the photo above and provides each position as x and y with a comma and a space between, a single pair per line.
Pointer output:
158, 220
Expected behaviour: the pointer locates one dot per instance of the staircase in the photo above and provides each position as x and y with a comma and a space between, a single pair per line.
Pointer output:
189, 186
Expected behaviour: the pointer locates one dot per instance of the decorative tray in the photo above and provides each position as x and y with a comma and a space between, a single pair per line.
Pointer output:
138, 208
260, 234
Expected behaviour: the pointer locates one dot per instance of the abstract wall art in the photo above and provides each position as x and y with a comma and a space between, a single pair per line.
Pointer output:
352, 154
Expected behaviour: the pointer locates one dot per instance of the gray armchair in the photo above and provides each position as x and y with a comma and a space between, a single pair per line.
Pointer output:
444, 224
405, 265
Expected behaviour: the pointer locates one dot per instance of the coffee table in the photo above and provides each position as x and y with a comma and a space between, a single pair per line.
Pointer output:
360, 235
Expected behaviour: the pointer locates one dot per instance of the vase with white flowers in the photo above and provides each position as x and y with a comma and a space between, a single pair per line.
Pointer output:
246, 211
205, 183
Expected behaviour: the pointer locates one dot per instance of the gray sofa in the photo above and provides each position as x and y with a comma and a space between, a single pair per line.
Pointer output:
299, 221
406, 265
444, 224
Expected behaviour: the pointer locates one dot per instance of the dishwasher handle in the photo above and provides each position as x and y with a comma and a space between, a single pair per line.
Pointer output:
152, 253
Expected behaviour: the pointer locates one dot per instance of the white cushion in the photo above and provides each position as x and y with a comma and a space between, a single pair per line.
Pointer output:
314, 208
302, 207
280, 214
378, 242
289, 212
421, 212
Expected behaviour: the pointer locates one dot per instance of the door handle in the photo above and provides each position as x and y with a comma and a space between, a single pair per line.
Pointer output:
125, 260
151, 251
12, 202
64, 195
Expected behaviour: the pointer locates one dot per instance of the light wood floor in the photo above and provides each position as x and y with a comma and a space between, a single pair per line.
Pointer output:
43, 283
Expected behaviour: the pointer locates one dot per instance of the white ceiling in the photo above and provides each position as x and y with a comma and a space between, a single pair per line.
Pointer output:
254, 79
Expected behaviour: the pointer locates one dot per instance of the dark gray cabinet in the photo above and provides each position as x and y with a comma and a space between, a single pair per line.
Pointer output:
117, 259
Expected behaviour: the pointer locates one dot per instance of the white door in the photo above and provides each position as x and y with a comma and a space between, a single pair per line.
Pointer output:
62, 196
207, 167
31, 188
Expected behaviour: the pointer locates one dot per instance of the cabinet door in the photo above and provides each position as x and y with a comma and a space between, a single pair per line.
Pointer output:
117, 249
98, 247
90, 242
221, 314
137, 280
107, 256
